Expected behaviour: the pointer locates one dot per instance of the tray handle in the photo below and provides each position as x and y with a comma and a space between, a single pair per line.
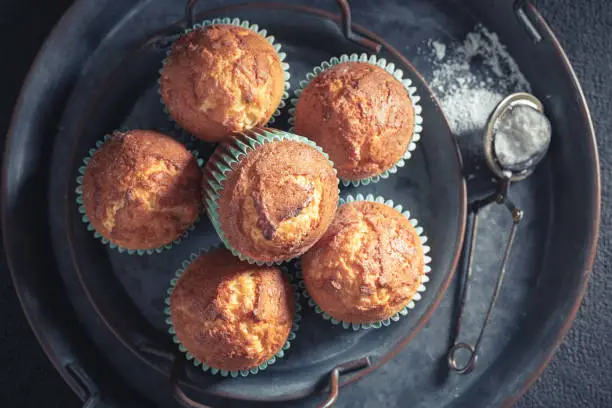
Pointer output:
346, 24
334, 381
87, 385
334, 378
521, 9
177, 368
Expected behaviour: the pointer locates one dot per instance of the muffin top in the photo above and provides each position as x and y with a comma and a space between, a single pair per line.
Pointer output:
222, 79
278, 201
231, 315
360, 115
141, 189
368, 265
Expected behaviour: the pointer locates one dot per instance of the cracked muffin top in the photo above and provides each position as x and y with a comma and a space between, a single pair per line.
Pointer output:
368, 265
222, 79
141, 189
231, 315
360, 115
278, 201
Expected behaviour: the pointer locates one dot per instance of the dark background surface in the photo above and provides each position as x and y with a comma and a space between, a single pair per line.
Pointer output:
579, 375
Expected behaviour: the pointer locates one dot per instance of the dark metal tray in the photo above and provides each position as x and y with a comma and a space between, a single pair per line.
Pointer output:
95, 74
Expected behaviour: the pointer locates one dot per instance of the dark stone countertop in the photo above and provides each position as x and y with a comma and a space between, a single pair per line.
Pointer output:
578, 376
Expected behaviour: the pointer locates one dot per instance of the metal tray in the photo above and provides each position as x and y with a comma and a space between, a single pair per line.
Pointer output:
95, 74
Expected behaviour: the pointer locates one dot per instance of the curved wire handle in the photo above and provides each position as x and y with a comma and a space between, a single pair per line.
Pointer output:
334, 378
178, 367
347, 25
517, 215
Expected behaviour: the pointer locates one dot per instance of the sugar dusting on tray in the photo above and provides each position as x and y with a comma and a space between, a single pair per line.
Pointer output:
472, 77
469, 78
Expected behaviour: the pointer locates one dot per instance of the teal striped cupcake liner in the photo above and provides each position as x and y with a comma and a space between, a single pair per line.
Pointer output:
417, 296
206, 368
239, 23
226, 156
85, 219
397, 74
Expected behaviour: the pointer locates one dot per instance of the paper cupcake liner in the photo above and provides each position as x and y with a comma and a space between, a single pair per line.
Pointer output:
397, 74
221, 164
239, 23
90, 227
280, 354
417, 296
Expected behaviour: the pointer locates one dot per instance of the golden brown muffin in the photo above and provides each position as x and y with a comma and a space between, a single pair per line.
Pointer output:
222, 79
141, 189
368, 265
231, 315
278, 201
360, 115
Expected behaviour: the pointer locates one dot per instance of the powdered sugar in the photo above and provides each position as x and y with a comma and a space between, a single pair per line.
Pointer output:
439, 49
520, 137
471, 78
468, 109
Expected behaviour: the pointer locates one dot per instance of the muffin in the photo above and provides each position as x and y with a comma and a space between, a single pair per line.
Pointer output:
360, 114
141, 189
221, 79
231, 315
367, 267
278, 198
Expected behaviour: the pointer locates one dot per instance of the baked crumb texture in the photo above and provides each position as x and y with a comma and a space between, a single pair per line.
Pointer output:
221, 79
231, 315
141, 189
368, 266
360, 115
275, 202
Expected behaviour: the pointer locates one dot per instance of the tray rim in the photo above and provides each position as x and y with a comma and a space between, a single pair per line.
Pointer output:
591, 248
31, 314
460, 220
